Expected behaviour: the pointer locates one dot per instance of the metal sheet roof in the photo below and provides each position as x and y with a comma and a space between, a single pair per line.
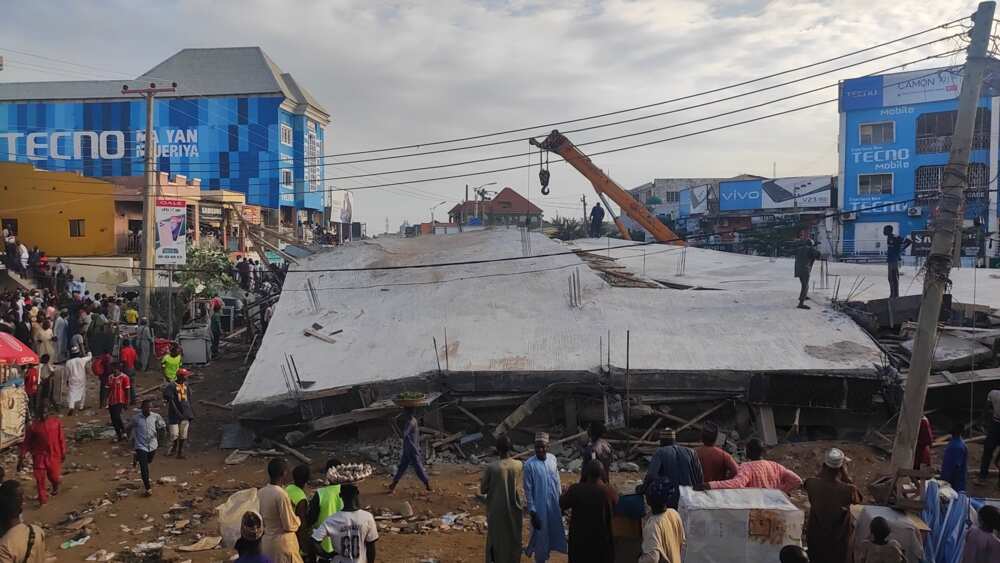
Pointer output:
224, 71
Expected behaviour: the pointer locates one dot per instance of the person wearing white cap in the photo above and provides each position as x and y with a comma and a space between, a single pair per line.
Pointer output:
541, 492
831, 525
76, 378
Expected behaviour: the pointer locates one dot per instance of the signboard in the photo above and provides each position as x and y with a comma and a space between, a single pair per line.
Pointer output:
251, 214
699, 200
777, 193
171, 231
922, 242
916, 87
341, 204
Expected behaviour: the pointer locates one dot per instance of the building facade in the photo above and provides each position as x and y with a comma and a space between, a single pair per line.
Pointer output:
895, 136
507, 207
236, 122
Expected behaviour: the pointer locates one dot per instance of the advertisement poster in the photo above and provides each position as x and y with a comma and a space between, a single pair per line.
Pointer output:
171, 232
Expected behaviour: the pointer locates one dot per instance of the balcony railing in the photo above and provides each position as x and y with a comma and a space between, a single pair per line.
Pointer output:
942, 143
128, 243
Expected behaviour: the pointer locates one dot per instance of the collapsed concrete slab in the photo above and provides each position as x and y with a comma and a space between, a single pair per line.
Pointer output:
510, 326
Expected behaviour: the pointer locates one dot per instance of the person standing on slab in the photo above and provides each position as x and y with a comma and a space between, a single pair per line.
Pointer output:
805, 255
894, 247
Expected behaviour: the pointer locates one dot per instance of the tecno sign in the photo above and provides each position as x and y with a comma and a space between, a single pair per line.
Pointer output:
884, 159
45, 145
75, 145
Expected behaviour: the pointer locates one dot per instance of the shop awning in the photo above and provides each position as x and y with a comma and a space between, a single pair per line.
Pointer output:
13, 351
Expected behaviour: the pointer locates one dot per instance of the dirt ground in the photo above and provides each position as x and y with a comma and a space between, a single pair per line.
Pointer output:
100, 483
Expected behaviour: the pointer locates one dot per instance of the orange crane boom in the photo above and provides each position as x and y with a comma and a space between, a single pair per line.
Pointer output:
558, 143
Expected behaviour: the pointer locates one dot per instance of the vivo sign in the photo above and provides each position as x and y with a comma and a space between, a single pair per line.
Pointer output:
777, 193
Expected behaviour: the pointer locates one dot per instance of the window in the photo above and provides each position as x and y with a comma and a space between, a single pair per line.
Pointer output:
878, 133
286, 178
934, 131
286, 135
671, 197
929, 180
76, 228
874, 184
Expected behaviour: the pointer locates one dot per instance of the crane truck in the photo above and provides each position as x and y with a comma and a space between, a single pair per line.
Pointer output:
604, 186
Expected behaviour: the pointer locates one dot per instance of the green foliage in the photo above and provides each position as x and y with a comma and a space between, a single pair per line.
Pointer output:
654, 200
565, 228
207, 270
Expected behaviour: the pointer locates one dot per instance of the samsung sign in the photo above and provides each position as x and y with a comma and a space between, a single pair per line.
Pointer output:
777, 193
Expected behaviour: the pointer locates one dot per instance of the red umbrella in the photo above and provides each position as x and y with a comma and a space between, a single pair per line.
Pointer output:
13, 351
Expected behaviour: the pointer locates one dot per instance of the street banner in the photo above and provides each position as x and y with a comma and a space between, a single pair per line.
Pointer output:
171, 232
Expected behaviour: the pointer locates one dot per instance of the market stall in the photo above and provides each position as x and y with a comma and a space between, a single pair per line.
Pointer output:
15, 358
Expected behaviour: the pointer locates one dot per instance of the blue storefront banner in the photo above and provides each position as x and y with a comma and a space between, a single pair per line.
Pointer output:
234, 143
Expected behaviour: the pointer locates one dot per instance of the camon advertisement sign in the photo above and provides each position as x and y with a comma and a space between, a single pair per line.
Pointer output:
777, 193
171, 232
913, 87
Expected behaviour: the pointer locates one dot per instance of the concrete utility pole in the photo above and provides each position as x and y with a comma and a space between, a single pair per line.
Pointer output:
148, 260
945, 227
583, 199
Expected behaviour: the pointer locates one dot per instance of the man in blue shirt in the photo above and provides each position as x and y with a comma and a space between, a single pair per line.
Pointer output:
894, 247
955, 465
144, 428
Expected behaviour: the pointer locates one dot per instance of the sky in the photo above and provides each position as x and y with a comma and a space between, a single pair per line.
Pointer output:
402, 73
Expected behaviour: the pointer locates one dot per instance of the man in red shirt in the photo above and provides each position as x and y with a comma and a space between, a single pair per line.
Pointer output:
119, 385
716, 463
128, 358
101, 366
47, 444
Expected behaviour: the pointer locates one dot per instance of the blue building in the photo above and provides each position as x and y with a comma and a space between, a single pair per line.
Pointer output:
895, 134
236, 121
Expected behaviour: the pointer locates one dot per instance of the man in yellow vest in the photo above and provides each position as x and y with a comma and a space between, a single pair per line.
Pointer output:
325, 503
300, 503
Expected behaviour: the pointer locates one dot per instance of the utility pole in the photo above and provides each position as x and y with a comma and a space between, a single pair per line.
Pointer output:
583, 199
945, 226
148, 260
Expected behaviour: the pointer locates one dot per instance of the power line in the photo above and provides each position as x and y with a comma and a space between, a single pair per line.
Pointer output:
596, 116
188, 168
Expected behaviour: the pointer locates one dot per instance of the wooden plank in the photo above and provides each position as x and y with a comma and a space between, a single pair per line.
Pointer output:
698, 418
216, 405
576, 436
765, 414
523, 411
291, 451
344, 419
469, 414
646, 434
445, 441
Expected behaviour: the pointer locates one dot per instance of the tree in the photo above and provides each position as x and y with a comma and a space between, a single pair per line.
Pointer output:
207, 270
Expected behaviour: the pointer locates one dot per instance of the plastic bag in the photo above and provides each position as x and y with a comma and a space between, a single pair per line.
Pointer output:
231, 514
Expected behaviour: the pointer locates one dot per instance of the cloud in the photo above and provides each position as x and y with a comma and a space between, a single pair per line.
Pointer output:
394, 73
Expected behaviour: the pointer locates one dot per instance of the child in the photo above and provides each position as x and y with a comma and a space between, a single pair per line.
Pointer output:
955, 463
248, 546
880, 549
981, 542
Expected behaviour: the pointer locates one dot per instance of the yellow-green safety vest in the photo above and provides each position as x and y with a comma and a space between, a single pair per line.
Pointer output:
296, 494
330, 503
